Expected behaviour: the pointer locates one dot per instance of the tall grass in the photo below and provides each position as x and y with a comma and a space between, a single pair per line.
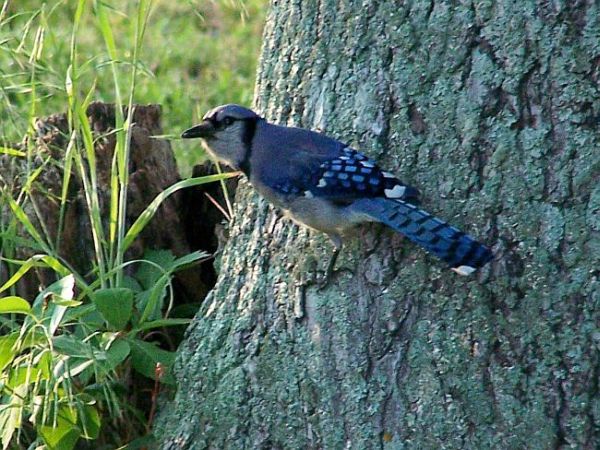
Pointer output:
196, 54
63, 355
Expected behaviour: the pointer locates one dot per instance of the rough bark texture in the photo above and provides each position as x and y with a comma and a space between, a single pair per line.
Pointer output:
492, 109
152, 169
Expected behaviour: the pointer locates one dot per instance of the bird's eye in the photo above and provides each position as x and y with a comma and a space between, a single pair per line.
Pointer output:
227, 121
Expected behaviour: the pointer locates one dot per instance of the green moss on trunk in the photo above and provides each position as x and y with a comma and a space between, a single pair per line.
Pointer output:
492, 110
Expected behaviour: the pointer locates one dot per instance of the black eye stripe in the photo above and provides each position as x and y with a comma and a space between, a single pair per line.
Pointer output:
228, 120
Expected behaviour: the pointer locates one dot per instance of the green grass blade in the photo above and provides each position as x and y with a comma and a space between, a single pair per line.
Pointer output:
22, 217
78, 14
151, 209
12, 152
160, 323
66, 182
225, 191
35, 261
26, 189
109, 41
90, 187
113, 215
119, 177
123, 155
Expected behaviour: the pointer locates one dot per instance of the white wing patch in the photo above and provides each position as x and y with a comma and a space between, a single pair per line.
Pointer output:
397, 192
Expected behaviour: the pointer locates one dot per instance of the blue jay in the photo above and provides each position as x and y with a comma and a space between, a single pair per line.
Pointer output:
323, 184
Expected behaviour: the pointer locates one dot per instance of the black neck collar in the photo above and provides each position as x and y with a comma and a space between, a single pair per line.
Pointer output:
247, 138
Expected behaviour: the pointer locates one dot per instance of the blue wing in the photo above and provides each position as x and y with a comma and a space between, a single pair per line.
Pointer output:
345, 177
352, 175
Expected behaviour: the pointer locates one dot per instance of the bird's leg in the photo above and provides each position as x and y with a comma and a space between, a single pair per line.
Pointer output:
337, 242
331, 265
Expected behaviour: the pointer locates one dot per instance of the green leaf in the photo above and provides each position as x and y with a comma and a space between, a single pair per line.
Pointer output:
63, 290
115, 305
88, 175
90, 422
105, 29
131, 283
152, 300
14, 305
72, 346
118, 351
13, 344
7, 424
70, 368
65, 434
7, 351
149, 274
22, 376
86, 316
45, 363
145, 357
155, 276
11, 414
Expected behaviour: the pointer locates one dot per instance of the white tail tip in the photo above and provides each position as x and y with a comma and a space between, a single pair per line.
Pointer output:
464, 270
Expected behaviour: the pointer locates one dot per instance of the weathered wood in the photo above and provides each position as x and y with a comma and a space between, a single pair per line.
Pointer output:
491, 109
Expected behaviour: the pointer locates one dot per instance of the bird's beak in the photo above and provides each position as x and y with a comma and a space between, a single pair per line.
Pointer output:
205, 129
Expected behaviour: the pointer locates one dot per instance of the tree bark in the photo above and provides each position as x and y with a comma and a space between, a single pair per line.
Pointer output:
492, 110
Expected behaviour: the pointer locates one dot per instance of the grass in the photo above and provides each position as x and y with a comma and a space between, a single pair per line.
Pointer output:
196, 54
67, 354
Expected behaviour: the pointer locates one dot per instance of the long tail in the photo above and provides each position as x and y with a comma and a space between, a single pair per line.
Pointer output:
462, 252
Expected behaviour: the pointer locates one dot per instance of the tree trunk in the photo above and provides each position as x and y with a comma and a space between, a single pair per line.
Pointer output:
492, 110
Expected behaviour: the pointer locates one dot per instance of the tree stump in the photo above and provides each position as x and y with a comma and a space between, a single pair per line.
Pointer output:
152, 168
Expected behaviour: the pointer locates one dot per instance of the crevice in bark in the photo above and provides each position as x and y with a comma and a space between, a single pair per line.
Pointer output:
526, 118
561, 411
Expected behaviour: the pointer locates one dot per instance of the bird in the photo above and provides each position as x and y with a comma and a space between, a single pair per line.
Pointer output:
326, 185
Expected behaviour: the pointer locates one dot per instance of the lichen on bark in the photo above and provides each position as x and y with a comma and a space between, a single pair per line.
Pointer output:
492, 110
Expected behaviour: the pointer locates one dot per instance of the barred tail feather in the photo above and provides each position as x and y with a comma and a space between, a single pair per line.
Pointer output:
463, 253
